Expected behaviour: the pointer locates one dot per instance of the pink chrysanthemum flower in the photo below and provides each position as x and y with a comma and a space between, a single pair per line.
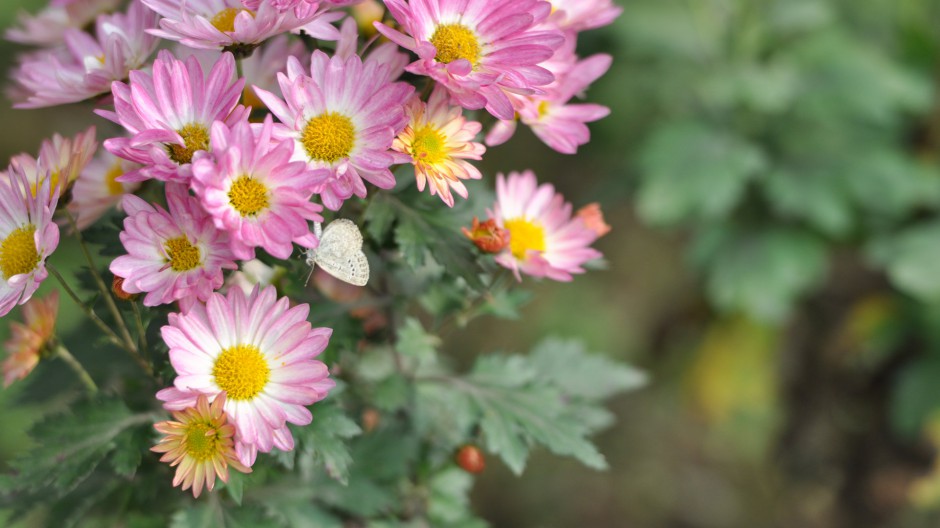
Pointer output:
60, 159
386, 53
27, 235
97, 189
558, 123
49, 26
261, 352
480, 50
254, 192
439, 140
87, 65
579, 15
342, 119
28, 338
224, 24
175, 255
265, 63
200, 443
544, 239
170, 112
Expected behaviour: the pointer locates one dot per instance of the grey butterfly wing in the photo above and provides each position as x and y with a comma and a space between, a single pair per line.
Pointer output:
340, 253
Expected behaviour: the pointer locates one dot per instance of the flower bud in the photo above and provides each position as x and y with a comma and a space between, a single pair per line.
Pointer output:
470, 459
487, 236
117, 286
593, 219
370, 420
365, 13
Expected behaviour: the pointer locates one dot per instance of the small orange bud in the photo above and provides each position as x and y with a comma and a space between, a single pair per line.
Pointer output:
370, 420
487, 236
117, 286
470, 459
593, 218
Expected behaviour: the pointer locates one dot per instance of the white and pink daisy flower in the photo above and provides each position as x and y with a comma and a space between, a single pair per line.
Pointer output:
172, 255
48, 27
558, 123
97, 189
254, 192
226, 24
27, 235
439, 140
261, 353
480, 50
342, 118
544, 239
61, 159
169, 114
87, 65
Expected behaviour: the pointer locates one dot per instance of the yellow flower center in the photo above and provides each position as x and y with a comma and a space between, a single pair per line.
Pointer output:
248, 196
329, 137
455, 41
53, 184
543, 109
428, 146
241, 371
195, 137
182, 255
110, 179
18, 253
224, 20
523, 236
202, 441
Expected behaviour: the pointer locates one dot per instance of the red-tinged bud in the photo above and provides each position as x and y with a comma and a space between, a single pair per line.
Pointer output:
117, 286
487, 236
370, 420
470, 459
593, 218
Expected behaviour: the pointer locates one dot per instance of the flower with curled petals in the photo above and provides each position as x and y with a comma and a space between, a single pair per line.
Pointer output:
169, 113
261, 352
480, 50
28, 339
199, 443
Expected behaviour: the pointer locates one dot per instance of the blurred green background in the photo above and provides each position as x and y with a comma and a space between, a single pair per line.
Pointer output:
770, 172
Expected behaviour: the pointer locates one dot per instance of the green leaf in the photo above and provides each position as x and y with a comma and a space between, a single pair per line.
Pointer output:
325, 440
916, 396
72, 445
910, 257
567, 364
449, 500
759, 272
691, 171
202, 514
235, 487
129, 448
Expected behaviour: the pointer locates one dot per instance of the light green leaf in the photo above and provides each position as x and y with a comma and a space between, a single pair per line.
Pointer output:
910, 258
325, 439
567, 364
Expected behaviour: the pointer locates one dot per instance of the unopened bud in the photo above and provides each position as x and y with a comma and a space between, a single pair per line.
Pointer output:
117, 286
370, 420
470, 459
487, 236
593, 219
365, 13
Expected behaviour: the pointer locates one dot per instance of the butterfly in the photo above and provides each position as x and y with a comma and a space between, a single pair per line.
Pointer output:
340, 252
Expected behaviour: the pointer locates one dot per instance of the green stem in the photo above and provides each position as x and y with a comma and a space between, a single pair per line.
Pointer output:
62, 353
238, 67
85, 308
105, 291
141, 331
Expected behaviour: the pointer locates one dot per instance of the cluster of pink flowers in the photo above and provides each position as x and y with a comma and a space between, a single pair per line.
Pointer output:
249, 135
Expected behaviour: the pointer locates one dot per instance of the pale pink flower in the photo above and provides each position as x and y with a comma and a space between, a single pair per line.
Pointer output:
386, 53
261, 353
579, 15
48, 27
172, 255
439, 140
200, 443
29, 338
27, 234
86, 66
254, 192
266, 62
480, 50
61, 159
97, 189
544, 239
169, 114
225, 24
342, 118
558, 123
